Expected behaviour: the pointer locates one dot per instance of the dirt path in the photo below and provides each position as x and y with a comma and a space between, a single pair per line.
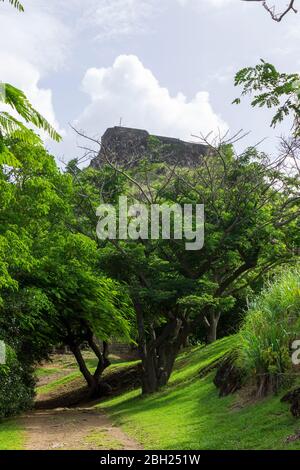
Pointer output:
73, 429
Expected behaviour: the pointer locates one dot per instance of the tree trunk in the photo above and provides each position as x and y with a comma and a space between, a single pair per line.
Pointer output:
93, 380
82, 366
158, 354
103, 363
149, 379
213, 327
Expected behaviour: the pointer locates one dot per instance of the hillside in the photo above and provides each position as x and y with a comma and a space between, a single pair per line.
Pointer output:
188, 414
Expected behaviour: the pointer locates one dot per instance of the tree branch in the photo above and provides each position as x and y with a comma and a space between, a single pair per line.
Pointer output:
272, 9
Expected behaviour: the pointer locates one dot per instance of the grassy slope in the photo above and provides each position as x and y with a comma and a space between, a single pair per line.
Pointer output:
57, 385
188, 414
11, 436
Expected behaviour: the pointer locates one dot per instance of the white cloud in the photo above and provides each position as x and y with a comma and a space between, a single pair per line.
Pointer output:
32, 45
106, 18
131, 91
25, 76
214, 3
117, 18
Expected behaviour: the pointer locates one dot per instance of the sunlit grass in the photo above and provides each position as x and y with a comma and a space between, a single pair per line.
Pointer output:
11, 436
188, 414
59, 383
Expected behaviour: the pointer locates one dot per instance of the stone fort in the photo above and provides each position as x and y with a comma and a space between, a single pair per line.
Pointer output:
126, 146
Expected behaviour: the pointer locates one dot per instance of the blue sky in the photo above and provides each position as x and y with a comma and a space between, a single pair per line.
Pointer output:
164, 65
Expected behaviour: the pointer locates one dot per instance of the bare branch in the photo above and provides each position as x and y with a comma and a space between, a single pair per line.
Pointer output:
272, 9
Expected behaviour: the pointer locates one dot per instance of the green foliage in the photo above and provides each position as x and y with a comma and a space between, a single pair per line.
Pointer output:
16, 386
12, 129
271, 89
51, 285
271, 325
249, 229
17, 100
78, 295
195, 303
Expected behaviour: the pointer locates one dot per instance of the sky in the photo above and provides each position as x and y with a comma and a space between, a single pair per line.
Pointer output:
166, 66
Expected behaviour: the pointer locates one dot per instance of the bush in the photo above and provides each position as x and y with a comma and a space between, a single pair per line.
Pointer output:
271, 325
16, 386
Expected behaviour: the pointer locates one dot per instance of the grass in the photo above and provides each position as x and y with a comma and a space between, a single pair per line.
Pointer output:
46, 371
11, 436
271, 325
188, 414
103, 440
58, 384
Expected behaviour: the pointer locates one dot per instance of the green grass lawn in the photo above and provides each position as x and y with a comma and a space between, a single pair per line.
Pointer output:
11, 436
188, 414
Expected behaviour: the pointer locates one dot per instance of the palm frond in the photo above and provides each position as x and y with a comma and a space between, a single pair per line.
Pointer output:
18, 101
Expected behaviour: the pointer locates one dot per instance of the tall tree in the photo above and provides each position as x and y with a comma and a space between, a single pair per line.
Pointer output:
173, 290
52, 288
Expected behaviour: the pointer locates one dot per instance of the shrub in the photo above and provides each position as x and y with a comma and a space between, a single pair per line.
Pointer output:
16, 386
271, 325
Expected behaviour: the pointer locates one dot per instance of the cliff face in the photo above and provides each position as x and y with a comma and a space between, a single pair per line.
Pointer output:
127, 146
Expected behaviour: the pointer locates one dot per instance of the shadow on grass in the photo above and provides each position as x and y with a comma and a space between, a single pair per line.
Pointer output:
189, 415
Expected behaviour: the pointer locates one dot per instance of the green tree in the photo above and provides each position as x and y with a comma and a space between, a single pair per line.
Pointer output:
249, 222
54, 290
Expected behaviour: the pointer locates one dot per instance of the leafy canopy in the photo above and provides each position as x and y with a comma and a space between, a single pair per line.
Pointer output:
271, 89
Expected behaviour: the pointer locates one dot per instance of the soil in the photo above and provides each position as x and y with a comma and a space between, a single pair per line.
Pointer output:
73, 429
64, 418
